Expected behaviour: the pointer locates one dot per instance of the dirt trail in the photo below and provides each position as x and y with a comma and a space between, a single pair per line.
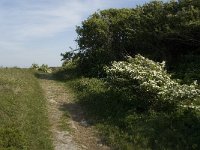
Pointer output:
68, 125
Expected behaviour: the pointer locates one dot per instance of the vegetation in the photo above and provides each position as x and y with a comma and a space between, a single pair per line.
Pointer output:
157, 30
43, 68
139, 102
136, 102
133, 113
149, 84
24, 122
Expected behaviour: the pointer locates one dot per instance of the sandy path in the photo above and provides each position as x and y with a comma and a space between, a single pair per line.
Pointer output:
79, 135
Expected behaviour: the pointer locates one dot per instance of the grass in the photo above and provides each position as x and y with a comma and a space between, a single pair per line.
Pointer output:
122, 127
64, 122
24, 123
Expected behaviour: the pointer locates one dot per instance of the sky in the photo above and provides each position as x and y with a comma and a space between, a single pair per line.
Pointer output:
38, 31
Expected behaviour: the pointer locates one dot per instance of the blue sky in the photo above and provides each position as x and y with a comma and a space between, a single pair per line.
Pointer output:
38, 31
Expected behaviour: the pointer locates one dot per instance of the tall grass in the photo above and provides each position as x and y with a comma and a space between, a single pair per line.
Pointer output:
23, 118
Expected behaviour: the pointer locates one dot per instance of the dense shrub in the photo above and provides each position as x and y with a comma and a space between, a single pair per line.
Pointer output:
157, 30
148, 81
187, 69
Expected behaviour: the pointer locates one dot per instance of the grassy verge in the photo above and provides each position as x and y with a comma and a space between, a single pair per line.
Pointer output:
122, 127
24, 122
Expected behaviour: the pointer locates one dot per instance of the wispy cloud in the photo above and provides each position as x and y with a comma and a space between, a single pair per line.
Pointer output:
27, 22
29, 19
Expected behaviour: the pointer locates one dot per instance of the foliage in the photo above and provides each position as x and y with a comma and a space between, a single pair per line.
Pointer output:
124, 127
35, 66
45, 68
157, 30
42, 68
136, 108
70, 55
150, 82
140, 105
68, 71
24, 122
187, 69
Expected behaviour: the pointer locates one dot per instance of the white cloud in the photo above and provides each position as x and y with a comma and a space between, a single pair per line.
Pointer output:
24, 21
29, 21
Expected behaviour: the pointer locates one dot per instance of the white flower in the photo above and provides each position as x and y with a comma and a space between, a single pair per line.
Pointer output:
152, 77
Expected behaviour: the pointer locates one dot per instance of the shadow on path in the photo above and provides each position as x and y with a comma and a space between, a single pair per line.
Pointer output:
62, 105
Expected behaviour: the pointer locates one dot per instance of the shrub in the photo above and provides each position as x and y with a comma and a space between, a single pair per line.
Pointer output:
35, 66
43, 68
149, 84
158, 30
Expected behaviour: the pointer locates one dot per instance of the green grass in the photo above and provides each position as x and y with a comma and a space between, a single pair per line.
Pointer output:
123, 127
24, 123
64, 122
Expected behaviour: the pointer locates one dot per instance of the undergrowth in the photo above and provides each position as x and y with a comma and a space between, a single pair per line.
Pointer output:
122, 126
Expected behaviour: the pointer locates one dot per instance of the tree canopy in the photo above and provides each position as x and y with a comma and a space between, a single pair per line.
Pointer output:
157, 30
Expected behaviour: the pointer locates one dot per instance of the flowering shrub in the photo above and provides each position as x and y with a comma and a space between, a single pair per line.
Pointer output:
151, 82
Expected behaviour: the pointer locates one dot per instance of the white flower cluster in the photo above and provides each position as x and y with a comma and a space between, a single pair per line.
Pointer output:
151, 77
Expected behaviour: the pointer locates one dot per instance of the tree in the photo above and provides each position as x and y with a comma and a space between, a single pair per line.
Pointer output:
157, 30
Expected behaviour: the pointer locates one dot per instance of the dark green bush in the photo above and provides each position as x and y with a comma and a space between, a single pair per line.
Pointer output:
157, 30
